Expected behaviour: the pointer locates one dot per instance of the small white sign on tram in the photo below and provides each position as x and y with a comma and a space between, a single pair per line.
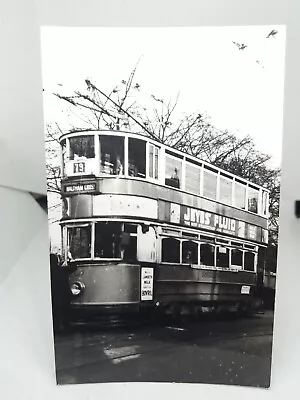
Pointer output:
146, 283
245, 290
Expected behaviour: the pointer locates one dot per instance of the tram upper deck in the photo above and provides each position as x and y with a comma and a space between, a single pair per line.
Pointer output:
110, 154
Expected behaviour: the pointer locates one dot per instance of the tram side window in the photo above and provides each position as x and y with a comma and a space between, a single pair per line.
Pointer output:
153, 161
240, 195
261, 260
112, 155
190, 252
173, 172
210, 184
225, 190
222, 257
192, 178
80, 241
207, 254
253, 199
136, 158
236, 258
108, 238
249, 261
82, 147
170, 250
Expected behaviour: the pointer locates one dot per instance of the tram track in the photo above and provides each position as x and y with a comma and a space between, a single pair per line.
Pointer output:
151, 345
112, 333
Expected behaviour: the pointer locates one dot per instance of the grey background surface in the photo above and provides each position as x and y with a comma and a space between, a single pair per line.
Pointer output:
26, 347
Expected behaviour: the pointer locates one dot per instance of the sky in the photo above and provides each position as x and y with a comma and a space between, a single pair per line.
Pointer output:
203, 65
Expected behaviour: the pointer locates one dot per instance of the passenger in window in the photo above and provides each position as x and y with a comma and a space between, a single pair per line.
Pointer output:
188, 259
107, 165
119, 166
175, 174
175, 178
133, 171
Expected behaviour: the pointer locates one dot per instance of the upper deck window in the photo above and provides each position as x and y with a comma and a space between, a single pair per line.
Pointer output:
112, 155
192, 178
136, 158
82, 147
253, 199
240, 195
210, 184
153, 161
80, 241
225, 190
173, 172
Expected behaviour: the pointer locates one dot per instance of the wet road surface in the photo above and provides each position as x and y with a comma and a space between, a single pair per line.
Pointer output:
229, 351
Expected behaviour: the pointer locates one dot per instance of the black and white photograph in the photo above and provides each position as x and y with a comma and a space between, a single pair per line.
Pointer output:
163, 158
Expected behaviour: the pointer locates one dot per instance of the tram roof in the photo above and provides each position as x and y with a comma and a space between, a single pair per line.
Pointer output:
155, 141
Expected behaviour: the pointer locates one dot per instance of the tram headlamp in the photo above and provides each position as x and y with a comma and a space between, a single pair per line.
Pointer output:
77, 288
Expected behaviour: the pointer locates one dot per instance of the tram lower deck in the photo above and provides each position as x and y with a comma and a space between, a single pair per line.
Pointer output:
120, 288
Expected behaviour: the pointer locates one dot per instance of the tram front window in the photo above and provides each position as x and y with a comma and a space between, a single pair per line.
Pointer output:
82, 147
108, 237
80, 241
136, 158
112, 155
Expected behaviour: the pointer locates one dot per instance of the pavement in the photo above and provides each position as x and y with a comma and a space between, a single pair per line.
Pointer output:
229, 351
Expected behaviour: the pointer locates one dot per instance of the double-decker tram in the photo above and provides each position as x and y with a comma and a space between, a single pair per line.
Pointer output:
146, 226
